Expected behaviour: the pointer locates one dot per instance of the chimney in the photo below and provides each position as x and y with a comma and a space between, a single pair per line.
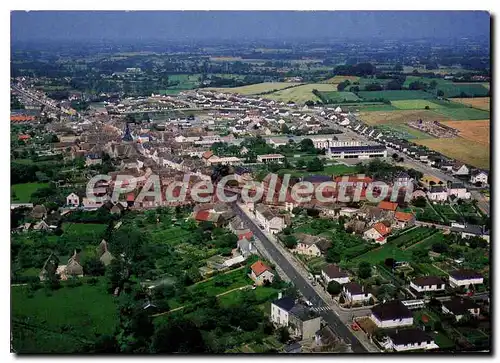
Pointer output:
280, 295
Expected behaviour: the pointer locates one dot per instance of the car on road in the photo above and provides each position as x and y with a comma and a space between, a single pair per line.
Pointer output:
313, 283
308, 303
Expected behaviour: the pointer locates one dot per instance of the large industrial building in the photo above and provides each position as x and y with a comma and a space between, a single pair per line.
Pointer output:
354, 150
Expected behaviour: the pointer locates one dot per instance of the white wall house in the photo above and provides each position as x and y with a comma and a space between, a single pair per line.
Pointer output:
270, 221
465, 278
73, 200
334, 273
459, 307
428, 283
409, 339
479, 176
461, 169
355, 293
392, 314
437, 194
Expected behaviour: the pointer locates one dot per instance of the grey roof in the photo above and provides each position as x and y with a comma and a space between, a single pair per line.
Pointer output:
465, 274
437, 189
460, 306
286, 303
428, 281
409, 336
354, 288
391, 310
357, 148
333, 271
303, 313
472, 229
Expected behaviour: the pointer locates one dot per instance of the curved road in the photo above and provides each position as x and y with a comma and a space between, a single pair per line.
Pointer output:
302, 284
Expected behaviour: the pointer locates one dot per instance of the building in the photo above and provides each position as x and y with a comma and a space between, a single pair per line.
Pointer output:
73, 200
465, 278
378, 233
460, 169
301, 320
437, 193
388, 206
270, 158
459, 307
261, 273
403, 220
470, 230
332, 272
355, 293
409, 339
270, 221
391, 314
458, 190
311, 245
428, 283
479, 176
357, 152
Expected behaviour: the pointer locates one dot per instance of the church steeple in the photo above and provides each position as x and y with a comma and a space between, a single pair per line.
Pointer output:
127, 136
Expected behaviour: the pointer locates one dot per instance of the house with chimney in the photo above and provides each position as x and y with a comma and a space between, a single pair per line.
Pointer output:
261, 273
460, 306
391, 314
470, 230
428, 284
464, 277
355, 293
378, 233
403, 220
460, 169
411, 339
311, 245
333, 272
479, 176
73, 200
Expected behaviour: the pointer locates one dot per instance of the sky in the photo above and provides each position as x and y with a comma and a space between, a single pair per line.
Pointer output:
200, 25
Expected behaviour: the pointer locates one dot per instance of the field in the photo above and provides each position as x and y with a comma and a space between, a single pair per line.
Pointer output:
23, 191
334, 96
336, 169
380, 254
411, 237
473, 130
395, 95
186, 82
302, 93
400, 116
461, 149
255, 89
414, 104
464, 113
483, 103
338, 79
470, 89
404, 131
63, 322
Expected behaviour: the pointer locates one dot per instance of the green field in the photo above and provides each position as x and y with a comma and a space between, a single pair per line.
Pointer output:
464, 113
470, 89
410, 237
186, 82
414, 104
63, 322
334, 96
255, 89
404, 131
370, 107
24, 191
428, 242
386, 251
337, 169
302, 93
395, 95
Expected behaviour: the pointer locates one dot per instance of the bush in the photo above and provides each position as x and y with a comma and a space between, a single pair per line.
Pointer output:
92, 281
333, 288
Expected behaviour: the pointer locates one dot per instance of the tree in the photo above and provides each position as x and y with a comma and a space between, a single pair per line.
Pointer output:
420, 202
177, 335
301, 164
333, 288
290, 241
333, 255
439, 247
315, 165
93, 266
283, 334
395, 156
389, 262
307, 145
364, 270
427, 107
440, 93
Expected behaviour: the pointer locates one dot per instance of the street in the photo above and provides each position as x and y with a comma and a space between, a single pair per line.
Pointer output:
302, 284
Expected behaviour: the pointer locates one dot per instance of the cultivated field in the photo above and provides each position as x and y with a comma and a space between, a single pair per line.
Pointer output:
22, 192
400, 116
483, 103
474, 130
470, 89
464, 113
461, 149
335, 96
338, 79
254, 89
301, 94
414, 104
395, 95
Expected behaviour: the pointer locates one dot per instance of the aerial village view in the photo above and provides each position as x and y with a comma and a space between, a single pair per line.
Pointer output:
247, 187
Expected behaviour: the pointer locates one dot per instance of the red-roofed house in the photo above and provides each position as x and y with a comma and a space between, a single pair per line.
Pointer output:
206, 156
23, 137
388, 206
261, 273
207, 216
404, 220
378, 232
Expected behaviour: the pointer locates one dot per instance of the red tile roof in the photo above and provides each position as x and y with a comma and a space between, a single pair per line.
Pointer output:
21, 118
259, 267
382, 228
403, 216
202, 215
130, 197
23, 137
208, 154
388, 205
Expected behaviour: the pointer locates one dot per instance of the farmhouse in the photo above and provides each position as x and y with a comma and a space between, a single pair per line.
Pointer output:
354, 293
404, 220
409, 339
479, 176
332, 272
378, 232
261, 273
460, 169
459, 307
303, 321
458, 190
391, 314
311, 245
73, 200
465, 278
437, 193
427, 283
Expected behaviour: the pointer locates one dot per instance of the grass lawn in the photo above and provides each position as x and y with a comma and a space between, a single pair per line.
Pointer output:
262, 294
336, 169
442, 340
61, 323
463, 113
395, 95
401, 116
254, 89
301, 94
334, 96
222, 283
24, 191
428, 242
404, 131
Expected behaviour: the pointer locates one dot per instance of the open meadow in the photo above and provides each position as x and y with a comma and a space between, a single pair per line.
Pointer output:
473, 130
338, 79
400, 116
461, 149
255, 89
23, 192
415, 104
301, 94
394, 95
483, 103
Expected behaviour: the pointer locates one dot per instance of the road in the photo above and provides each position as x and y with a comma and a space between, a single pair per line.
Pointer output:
302, 284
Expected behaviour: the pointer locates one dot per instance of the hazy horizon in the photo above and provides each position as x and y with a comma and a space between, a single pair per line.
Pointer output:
246, 25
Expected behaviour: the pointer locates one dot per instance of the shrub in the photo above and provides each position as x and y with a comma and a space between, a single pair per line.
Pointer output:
333, 288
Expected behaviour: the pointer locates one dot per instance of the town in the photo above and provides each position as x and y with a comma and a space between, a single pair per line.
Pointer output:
389, 252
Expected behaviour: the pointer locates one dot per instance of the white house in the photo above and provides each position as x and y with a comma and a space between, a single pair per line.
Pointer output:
311, 245
470, 230
479, 176
458, 190
270, 158
409, 339
459, 307
73, 200
465, 278
391, 314
378, 232
355, 293
460, 169
427, 283
270, 221
332, 272
437, 193
261, 273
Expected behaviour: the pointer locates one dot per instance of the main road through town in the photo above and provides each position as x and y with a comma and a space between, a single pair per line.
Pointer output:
301, 283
